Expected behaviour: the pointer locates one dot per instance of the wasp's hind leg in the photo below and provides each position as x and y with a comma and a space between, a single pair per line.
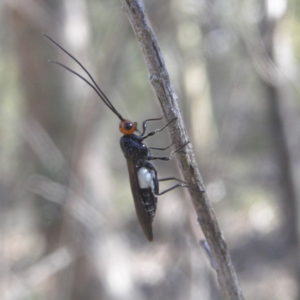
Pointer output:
182, 184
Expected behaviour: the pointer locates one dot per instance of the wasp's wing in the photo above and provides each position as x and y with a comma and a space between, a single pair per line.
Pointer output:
143, 215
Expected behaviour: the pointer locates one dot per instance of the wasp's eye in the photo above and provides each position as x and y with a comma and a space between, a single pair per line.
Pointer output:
127, 127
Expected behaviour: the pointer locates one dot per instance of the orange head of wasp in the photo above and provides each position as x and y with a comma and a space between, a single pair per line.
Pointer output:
128, 127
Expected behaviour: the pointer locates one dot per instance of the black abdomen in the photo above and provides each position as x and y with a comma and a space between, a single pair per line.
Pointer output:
150, 202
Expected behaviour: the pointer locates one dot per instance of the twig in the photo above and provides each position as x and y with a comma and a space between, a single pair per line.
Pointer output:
160, 80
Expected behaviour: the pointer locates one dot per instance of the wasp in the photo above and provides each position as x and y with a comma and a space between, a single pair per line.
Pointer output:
143, 176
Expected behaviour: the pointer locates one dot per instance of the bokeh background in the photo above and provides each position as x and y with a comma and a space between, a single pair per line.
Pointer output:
68, 228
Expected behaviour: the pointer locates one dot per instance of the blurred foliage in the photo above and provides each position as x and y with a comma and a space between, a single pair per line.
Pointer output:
68, 224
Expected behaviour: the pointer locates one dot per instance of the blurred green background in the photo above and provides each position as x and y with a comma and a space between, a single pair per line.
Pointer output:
68, 227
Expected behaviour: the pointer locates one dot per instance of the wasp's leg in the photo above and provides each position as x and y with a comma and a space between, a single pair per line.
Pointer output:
155, 131
171, 178
161, 149
145, 124
182, 184
172, 188
155, 148
167, 157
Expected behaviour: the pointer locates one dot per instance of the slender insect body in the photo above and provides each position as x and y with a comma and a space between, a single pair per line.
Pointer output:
143, 180
143, 176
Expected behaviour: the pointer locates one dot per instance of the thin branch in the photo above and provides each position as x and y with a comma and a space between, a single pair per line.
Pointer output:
160, 80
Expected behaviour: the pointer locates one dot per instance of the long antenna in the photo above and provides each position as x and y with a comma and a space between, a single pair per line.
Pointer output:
95, 87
